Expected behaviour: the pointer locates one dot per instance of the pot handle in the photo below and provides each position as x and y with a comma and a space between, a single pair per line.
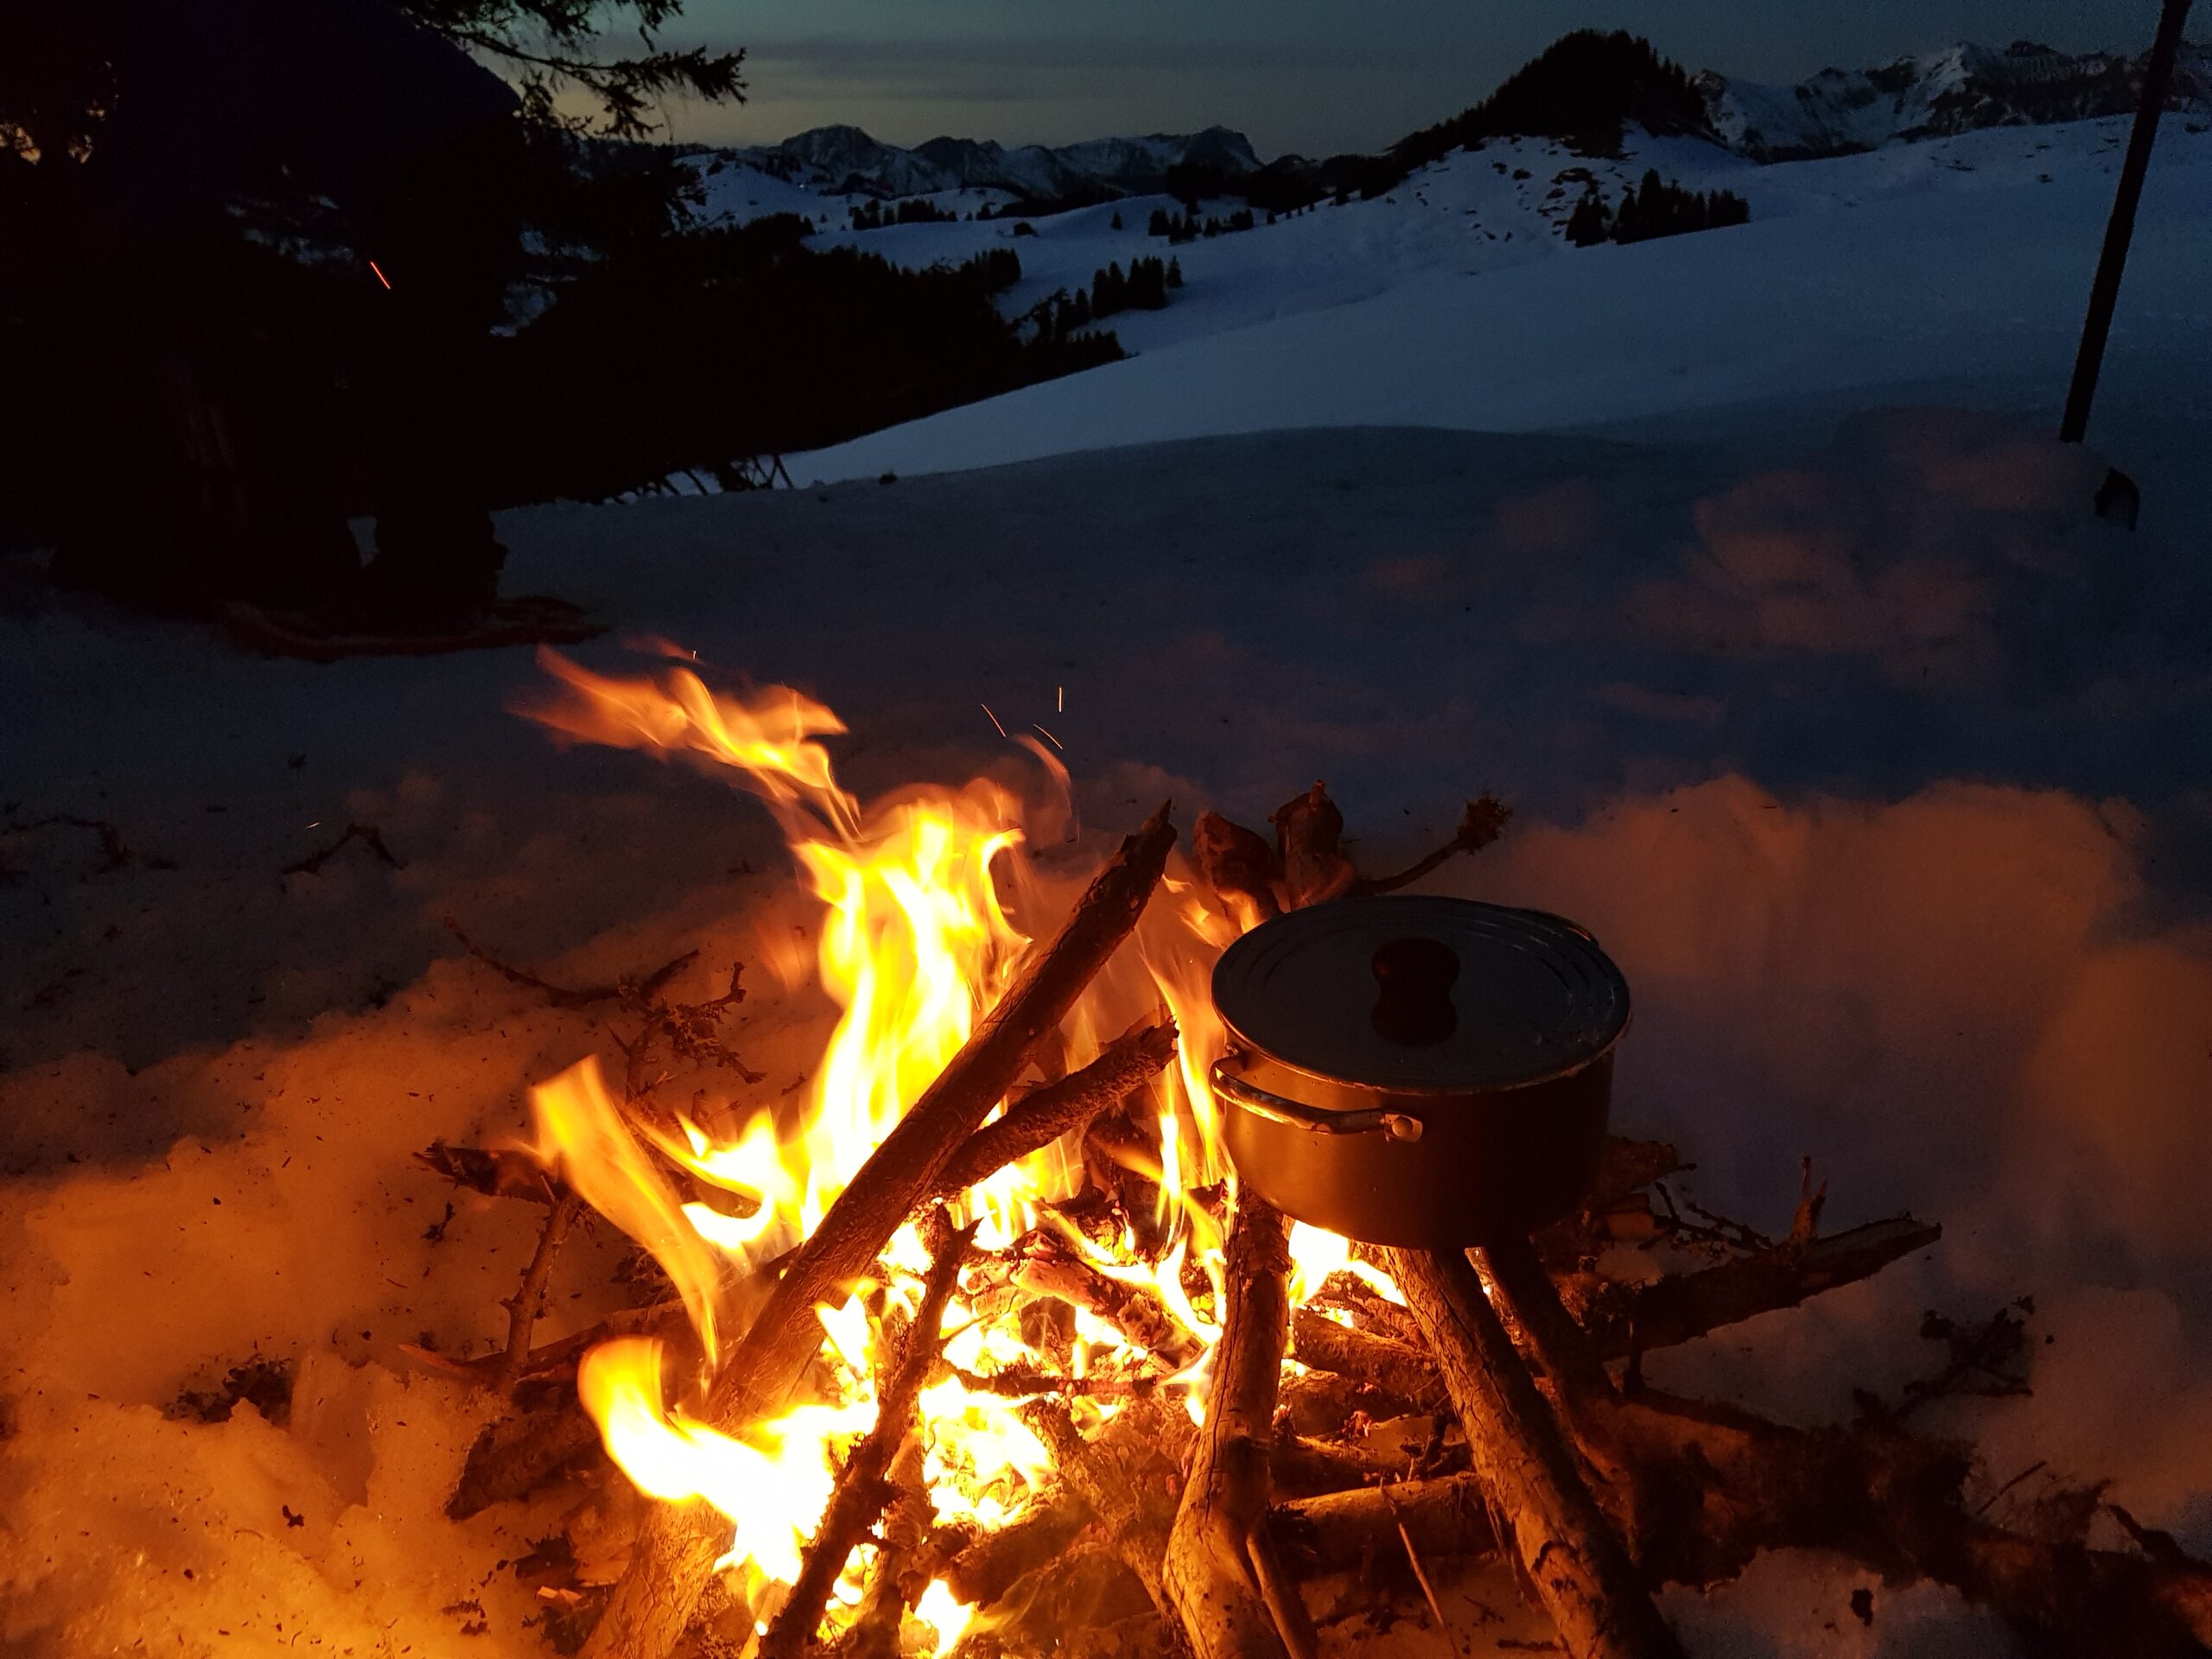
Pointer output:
1399, 1126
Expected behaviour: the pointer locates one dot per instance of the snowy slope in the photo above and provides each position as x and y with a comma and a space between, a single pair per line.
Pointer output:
1932, 266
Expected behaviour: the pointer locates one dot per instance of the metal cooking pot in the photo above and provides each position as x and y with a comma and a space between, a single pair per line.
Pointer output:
1417, 1070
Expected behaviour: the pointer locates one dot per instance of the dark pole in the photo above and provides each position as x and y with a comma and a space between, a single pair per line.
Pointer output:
2104, 291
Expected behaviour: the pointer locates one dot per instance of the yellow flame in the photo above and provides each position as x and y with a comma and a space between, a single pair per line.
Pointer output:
772, 1486
583, 1136
918, 939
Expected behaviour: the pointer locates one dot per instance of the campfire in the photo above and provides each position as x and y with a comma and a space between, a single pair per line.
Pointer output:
977, 1343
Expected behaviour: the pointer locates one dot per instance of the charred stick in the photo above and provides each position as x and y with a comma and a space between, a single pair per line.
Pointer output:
1221, 1572
563, 996
1309, 852
1680, 1309
1042, 1117
1135, 1309
864, 1485
1239, 865
367, 834
654, 1600
1024, 1382
1484, 823
529, 1299
1581, 1573
901, 1573
496, 1173
514, 1456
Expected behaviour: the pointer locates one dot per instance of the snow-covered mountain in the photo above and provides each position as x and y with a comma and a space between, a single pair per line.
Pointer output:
1938, 94
846, 161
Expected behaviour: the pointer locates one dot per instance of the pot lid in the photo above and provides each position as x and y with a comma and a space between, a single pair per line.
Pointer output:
1422, 992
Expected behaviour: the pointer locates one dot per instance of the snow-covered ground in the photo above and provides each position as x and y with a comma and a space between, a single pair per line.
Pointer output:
1945, 270
1874, 758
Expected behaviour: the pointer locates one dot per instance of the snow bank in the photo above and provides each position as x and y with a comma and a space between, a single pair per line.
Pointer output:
1932, 930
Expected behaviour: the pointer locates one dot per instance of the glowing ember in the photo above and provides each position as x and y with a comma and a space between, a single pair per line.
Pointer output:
919, 938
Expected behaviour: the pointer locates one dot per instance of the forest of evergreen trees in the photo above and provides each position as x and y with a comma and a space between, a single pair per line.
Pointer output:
1653, 209
1143, 287
910, 210
1186, 226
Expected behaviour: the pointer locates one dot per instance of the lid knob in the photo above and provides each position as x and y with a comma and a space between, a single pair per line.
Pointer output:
1416, 975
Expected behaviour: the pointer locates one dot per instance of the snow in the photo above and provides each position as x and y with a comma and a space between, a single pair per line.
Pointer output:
1908, 272
1875, 760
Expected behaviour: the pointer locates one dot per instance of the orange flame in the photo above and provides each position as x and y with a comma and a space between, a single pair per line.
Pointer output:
916, 944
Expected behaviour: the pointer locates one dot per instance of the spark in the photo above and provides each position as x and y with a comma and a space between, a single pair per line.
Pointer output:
1059, 699
381, 277
1050, 739
994, 719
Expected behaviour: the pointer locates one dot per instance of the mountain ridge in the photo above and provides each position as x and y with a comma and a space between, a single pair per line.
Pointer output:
1596, 83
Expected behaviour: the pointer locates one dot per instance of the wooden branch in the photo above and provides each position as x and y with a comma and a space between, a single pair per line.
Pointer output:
1334, 1532
1564, 1543
562, 996
1682, 1307
1309, 855
1725, 1483
497, 1173
1126, 1476
513, 1456
530, 1299
367, 834
1581, 1391
1239, 865
1405, 1373
862, 1487
1484, 823
1041, 1118
1135, 1309
653, 1601
1221, 1573
986, 1569
1308, 1467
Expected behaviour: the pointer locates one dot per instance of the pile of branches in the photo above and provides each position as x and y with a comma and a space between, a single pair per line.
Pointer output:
1499, 1410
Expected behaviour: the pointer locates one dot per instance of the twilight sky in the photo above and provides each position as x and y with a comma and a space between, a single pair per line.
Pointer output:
1315, 76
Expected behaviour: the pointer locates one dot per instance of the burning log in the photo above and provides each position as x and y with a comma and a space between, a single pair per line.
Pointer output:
1564, 1543
655, 1599
987, 1568
1121, 1159
1125, 1476
862, 1487
1041, 1117
1405, 1373
1239, 865
1134, 1309
1222, 1572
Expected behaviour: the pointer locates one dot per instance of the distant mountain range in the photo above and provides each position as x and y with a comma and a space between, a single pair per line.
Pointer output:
1587, 85
846, 161
1936, 94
